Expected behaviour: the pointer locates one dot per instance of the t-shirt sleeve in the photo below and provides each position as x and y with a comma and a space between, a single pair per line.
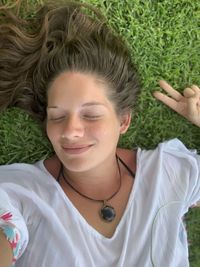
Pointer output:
183, 168
13, 225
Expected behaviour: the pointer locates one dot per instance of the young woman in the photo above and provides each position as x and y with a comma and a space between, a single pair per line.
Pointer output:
92, 204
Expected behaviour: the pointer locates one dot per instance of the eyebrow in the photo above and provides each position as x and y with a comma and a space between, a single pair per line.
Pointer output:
93, 103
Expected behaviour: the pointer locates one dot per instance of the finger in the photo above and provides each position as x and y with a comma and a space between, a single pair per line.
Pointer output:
193, 107
170, 90
196, 96
170, 102
194, 101
188, 92
196, 89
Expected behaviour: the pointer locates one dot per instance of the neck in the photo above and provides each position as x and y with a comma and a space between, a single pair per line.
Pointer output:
98, 182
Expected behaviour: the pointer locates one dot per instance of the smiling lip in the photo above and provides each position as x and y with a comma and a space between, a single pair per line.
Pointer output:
74, 150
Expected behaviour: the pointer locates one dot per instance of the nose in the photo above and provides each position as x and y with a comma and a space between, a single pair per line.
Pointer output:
73, 128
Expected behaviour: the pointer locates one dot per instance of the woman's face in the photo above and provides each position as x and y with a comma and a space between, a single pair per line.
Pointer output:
82, 124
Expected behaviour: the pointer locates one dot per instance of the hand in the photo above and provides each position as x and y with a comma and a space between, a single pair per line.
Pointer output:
187, 105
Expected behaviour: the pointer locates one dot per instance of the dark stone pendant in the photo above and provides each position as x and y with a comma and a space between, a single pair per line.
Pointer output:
107, 213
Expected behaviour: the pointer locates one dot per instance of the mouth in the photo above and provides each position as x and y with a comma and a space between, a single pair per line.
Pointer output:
74, 150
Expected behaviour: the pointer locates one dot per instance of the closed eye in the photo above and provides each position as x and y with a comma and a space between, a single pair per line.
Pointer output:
57, 118
92, 117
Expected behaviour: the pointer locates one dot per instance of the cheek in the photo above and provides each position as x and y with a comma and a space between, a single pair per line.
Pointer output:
107, 130
52, 132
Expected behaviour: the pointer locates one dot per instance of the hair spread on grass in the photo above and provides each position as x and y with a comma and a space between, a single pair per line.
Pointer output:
56, 37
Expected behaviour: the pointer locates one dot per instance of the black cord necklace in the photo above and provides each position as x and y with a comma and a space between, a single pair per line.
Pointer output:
107, 212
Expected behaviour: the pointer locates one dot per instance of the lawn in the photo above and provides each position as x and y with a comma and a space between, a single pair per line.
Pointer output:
164, 37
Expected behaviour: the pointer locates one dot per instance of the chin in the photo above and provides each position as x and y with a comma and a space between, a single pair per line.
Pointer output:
76, 164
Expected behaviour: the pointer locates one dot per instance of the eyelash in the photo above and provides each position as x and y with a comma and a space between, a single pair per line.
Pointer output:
56, 119
89, 117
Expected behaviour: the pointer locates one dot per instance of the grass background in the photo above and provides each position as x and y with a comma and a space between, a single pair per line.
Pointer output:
164, 37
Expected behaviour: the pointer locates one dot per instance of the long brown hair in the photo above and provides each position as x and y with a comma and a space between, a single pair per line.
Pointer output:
58, 37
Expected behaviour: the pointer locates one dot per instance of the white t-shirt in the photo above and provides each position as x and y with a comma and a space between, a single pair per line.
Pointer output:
150, 234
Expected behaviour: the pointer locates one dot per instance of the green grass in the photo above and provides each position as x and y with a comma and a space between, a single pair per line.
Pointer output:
164, 37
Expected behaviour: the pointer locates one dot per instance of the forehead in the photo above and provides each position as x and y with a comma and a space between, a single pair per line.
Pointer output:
79, 87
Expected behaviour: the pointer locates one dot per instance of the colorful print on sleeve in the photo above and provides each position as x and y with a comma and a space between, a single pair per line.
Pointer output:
12, 234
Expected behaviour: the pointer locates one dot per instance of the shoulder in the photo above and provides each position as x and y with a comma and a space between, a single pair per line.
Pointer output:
173, 147
28, 183
178, 154
171, 157
20, 167
22, 173
181, 160
176, 167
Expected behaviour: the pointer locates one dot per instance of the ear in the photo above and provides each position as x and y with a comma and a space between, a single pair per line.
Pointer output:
125, 120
